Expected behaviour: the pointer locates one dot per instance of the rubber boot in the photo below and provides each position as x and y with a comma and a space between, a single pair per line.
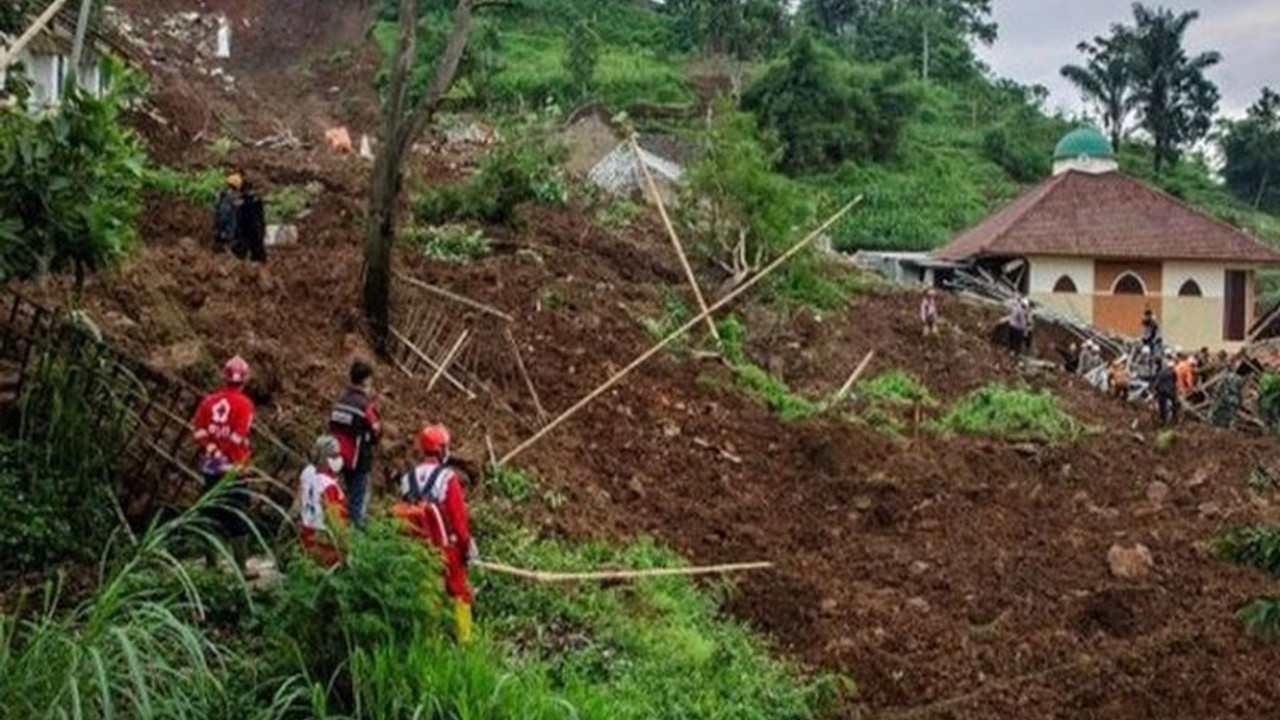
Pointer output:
462, 621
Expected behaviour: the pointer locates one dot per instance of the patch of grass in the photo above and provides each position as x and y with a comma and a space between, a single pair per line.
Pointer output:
448, 243
787, 405
618, 214
1013, 413
199, 188
1261, 618
286, 203
1256, 546
1165, 440
895, 387
675, 313
515, 484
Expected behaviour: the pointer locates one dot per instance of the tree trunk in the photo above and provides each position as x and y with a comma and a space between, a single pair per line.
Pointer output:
1262, 189
399, 130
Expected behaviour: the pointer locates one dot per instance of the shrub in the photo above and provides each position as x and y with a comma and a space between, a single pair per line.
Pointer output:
449, 243
198, 188
523, 167
513, 483
675, 313
774, 392
1165, 440
1255, 546
895, 387
1261, 617
287, 203
1012, 413
69, 184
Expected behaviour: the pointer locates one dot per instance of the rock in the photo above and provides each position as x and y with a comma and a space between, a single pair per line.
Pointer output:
1200, 477
919, 604
918, 567
863, 502
636, 486
828, 606
282, 235
1026, 450
1210, 509
1157, 493
1130, 563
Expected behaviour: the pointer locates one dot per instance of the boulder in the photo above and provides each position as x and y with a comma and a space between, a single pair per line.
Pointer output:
1130, 563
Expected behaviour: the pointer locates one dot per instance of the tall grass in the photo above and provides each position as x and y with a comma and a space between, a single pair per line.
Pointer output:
1013, 413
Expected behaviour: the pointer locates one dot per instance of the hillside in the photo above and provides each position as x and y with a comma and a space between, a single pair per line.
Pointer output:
946, 575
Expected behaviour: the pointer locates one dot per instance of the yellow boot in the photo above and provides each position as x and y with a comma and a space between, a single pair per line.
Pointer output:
462, 621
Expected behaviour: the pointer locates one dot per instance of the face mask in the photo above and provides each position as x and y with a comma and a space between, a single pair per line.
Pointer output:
334, 463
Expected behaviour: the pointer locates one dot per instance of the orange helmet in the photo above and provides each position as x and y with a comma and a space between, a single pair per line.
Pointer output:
434, 440
236, 371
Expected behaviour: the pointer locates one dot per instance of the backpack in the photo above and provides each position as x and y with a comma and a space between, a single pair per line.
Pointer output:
226, 215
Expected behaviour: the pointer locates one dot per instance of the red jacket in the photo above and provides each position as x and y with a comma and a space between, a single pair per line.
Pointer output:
223, 423
322, 498
355, 423
435, 511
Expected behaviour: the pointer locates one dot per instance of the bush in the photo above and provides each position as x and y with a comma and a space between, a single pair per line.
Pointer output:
895, 387
1256, 546
1261, 617
69, 184
774, 392
448, 243
524, 167
826, 110
1011, 413
198, 188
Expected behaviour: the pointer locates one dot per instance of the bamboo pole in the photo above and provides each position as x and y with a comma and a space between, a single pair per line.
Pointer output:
448, 359
644, 357
431, 363
450, 295
11, 52
542, 576
524, 375
853, 378
77, 47
671, 232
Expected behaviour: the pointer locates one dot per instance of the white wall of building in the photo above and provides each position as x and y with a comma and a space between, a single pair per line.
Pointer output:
1045, 271
1211, 277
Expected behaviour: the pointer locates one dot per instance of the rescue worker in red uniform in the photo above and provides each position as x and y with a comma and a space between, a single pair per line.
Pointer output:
435, 510
355, 423
222, 426
323, 502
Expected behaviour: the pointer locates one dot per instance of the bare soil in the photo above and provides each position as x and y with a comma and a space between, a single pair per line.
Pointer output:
957, 577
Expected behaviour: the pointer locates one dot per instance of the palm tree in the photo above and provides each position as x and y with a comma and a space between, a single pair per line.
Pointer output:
1176, 100
1106, 80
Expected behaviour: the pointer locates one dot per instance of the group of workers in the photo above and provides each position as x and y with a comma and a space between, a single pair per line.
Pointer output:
334, 486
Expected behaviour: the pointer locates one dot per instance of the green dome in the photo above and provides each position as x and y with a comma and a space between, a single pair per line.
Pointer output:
1084, 141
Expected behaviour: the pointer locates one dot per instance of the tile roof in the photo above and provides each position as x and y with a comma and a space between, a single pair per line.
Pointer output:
1111, 215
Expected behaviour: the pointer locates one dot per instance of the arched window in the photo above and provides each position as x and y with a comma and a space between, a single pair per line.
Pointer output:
1128, 284
1065, 285
1190, 288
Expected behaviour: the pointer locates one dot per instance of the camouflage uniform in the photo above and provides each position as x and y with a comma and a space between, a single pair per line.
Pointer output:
1227, 404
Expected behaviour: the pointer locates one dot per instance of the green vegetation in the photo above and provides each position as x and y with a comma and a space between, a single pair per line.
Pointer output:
70, 183
1256, 546
448, 243
1261, 617
285, 204
1013, 413
523, 167
196, 187
788, 405
513, 483
895, 387
1251, 150
1165, 440
675, 313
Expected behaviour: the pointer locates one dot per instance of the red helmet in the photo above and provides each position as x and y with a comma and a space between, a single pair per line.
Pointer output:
434, 440
236, 371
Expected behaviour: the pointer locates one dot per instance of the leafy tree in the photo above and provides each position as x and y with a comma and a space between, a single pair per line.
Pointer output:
1251, 148
582, 54
740, 28
1106, 80
69, 184
12, 14
1175, 100
827, 110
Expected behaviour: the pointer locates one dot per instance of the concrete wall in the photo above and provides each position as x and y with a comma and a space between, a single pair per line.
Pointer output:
1122, 314
1044, 274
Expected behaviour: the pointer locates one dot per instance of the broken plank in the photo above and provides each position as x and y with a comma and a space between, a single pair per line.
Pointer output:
450, 295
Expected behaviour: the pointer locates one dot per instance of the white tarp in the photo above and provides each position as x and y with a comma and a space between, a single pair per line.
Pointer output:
618, 173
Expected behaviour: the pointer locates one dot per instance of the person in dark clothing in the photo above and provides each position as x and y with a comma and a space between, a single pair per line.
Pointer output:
251, 227
226, 212
355, 423
1151, 332
1166, 392
1070, 358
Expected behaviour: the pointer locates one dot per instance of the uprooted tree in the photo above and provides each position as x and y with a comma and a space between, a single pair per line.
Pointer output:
404, 119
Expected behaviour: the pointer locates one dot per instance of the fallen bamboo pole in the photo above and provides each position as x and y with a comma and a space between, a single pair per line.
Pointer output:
448, 359
450, 295
431, 363
853, 378
671, 232
676, 334
524, 375
543, 576
11, 52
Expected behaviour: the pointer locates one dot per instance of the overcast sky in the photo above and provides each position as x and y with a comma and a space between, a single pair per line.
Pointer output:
1037, 37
